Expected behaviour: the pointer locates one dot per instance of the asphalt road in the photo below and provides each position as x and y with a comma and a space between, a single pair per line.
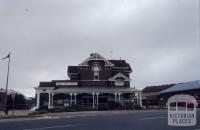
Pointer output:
155, 120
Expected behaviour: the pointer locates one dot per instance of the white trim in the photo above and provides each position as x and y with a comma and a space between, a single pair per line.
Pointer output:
93, 94
66, 83
96, 57
96, 65
42, 88
119, 97
121, 67
119, 75
119, 83
65, 90
38, 100
49, 103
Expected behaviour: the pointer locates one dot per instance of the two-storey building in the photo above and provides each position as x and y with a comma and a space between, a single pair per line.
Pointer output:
95, 82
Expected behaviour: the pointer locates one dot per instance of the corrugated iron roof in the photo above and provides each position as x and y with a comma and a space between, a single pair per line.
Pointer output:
183, 87
150, 89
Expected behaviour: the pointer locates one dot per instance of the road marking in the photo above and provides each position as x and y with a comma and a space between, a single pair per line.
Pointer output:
53, 117
153, 118
52, 127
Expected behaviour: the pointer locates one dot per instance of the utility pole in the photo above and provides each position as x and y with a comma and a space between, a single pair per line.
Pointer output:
8, 56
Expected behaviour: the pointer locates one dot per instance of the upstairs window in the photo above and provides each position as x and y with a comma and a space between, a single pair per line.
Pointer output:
96, 75
96, 68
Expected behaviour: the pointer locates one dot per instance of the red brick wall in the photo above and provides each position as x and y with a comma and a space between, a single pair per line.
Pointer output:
88, 74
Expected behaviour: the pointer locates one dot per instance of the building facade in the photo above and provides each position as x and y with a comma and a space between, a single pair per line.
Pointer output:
151, 94
96, 82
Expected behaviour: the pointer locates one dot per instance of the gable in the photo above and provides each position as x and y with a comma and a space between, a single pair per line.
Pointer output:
95, 57
119, 76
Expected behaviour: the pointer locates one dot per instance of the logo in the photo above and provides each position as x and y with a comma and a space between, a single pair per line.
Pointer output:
182, 110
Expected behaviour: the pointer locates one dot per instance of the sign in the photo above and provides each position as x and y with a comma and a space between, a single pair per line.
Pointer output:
182, 110
66, 83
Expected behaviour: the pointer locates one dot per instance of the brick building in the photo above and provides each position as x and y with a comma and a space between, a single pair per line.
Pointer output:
95, 82
151, 94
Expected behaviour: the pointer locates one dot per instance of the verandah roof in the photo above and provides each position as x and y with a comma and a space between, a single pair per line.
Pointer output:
95, 89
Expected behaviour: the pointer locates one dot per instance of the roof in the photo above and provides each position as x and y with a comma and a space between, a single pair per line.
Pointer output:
96, 57
184, 87
117, 64
121, 63
46, 84
117, 76
73, 69
96, 89
160, 88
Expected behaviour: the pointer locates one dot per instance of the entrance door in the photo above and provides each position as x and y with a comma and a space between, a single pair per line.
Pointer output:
44, 99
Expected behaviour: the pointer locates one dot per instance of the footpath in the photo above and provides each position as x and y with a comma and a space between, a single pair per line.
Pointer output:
23, 115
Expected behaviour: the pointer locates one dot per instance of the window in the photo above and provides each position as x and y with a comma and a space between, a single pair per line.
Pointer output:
96, 75
96, 68
119, 83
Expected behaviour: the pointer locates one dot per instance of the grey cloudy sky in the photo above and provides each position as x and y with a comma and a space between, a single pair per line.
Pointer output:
159, 38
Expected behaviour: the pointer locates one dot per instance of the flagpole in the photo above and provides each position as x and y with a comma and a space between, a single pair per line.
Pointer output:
6, 110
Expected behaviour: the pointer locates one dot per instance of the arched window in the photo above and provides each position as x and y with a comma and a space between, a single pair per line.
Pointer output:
96, 68
119, 82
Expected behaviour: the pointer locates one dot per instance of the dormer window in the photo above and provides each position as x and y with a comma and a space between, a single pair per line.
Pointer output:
96, 68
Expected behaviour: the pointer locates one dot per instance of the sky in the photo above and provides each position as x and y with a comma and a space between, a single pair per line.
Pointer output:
160, 39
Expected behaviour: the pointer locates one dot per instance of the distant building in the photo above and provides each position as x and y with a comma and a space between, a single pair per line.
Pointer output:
12, 95
158, 95
151, 94
2, 99
192, 88
94, 83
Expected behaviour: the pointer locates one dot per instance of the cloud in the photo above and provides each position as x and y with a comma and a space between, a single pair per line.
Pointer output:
159, 38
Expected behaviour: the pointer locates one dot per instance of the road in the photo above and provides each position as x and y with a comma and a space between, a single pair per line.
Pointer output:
131, 120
